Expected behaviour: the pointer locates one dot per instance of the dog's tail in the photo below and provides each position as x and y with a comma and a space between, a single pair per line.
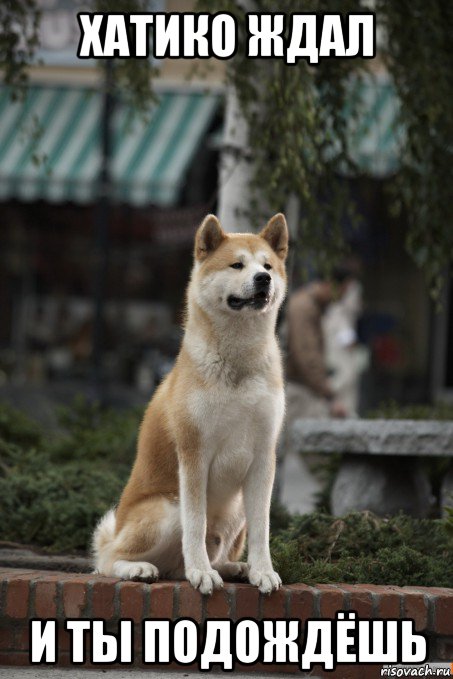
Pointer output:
102, 542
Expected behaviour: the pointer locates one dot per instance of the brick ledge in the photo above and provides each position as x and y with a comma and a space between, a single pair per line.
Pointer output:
25, 594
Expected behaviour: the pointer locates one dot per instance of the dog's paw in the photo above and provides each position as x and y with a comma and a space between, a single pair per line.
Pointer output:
266, 581
204, 580
135, 570
237, 570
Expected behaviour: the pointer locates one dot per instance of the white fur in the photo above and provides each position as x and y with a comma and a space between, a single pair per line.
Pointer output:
166, 553
103, 537
212, 291
239, 415
135, 570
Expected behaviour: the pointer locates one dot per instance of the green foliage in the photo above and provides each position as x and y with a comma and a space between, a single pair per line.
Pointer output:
325, 467
297, 119
449, 521
132, 77
392, 410
15, 427
420, 59
19, 40
98, 435
53, 489
19, 21
55, 506
280, 517
360, 547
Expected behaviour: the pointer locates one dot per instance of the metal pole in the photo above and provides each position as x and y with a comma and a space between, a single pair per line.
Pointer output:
101, 228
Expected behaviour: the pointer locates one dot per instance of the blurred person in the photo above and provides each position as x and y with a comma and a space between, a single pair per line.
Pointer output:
309, 391
346, 359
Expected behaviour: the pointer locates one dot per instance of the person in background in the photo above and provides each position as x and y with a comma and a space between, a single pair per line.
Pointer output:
309, 393
346, 358
309, 390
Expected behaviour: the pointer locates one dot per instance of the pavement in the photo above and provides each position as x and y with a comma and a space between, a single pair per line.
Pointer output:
13, 555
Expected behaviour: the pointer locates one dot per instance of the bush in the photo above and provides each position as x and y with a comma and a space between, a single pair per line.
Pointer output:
361, 547
54, 489
18, 428
94, 434
391, 410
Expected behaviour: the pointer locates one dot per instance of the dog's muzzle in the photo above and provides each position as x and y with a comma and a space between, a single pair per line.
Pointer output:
260, 298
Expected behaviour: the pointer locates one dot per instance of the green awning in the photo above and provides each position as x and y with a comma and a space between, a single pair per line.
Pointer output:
50, 145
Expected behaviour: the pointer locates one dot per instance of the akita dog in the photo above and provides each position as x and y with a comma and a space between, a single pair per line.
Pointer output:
205, 463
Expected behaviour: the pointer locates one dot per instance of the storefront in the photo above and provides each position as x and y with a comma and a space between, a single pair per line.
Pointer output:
163, 178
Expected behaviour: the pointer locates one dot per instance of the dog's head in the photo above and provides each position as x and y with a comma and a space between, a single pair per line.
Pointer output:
240, 273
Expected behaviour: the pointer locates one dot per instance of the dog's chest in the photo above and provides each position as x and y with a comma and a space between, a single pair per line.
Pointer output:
233, 424
224, 413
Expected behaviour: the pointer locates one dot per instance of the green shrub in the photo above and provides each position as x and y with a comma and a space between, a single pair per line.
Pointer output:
361, 547
391, 410
54, 506
16, 427
92, 433
53, 490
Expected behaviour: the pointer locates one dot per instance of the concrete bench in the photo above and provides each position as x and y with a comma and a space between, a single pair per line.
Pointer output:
380, 469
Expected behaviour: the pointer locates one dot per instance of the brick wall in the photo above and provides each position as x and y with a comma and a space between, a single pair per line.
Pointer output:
26, 594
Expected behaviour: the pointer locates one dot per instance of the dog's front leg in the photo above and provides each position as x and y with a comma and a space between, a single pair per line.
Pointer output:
193, 486
257, 500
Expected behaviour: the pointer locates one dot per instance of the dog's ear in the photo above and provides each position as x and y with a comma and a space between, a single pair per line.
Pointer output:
208, 238
276, 234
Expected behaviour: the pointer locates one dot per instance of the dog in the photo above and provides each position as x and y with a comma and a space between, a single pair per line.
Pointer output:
205, 462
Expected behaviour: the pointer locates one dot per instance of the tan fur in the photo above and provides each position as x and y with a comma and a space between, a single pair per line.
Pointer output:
206, 449
238, 546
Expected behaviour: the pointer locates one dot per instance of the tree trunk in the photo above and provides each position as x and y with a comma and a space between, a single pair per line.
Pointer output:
236, 169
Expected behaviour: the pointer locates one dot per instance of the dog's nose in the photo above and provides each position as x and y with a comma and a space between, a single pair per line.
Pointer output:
262, 279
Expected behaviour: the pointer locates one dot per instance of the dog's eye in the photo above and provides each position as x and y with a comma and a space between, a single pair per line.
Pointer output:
237, 265
268, 267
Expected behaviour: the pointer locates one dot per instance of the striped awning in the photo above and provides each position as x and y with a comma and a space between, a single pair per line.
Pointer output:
50, 145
